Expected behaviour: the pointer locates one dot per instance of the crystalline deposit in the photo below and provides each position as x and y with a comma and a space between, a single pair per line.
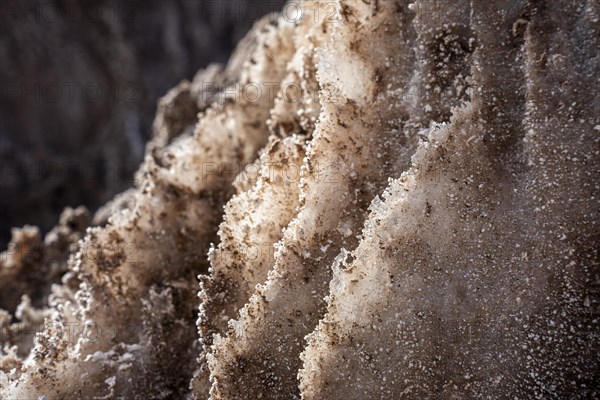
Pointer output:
411, 213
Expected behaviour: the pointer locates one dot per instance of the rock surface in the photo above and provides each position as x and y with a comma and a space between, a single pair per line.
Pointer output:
419, 221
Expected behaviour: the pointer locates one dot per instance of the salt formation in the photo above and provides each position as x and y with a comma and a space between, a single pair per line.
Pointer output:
420, 221
485, 282
128, 328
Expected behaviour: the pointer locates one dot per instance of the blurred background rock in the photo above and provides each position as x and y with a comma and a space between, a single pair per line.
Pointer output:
79, 84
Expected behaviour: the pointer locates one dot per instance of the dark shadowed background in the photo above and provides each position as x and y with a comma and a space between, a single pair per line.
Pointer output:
79, 83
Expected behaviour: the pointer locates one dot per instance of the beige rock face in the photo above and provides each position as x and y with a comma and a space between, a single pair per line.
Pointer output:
412, 214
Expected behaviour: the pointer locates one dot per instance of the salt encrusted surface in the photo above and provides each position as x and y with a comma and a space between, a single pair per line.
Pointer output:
136, 302
420, 222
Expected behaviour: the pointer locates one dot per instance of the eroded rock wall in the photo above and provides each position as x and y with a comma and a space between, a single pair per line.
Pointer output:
419, 221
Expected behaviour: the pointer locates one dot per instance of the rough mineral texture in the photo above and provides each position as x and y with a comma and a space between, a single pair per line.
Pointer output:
410, 213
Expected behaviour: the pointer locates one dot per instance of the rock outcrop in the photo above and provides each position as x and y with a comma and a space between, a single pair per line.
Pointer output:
397, 199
